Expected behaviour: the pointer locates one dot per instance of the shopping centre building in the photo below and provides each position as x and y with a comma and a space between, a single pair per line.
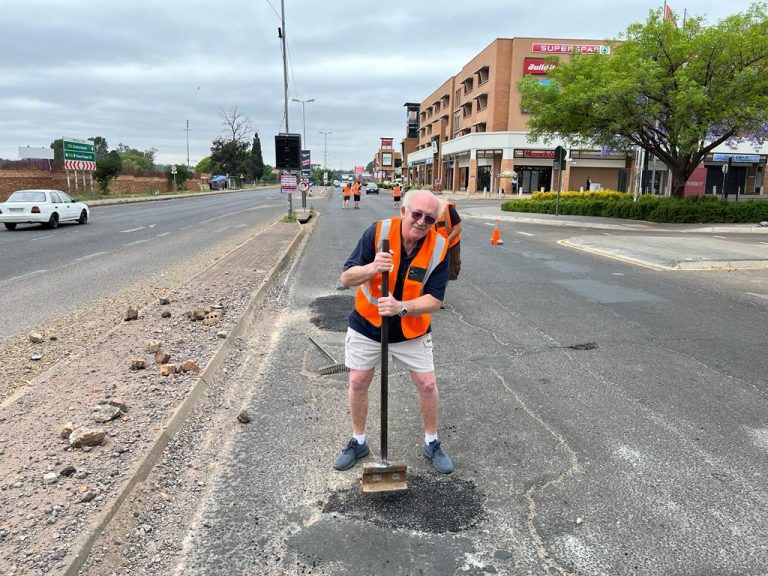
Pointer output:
471, 135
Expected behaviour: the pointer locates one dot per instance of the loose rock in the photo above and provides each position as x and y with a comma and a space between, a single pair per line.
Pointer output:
82, 437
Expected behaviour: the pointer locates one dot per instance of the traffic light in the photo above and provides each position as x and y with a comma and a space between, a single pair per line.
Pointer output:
560, 154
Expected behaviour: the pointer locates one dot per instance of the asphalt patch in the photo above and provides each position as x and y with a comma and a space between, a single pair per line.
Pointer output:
585, 346
332, 312
431, 504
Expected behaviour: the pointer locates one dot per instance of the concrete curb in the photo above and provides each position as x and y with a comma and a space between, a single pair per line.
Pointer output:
633, 225
169, 431
670, 265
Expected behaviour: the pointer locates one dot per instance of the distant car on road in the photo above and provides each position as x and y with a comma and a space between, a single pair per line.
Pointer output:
337, 183
371, 188
49, 207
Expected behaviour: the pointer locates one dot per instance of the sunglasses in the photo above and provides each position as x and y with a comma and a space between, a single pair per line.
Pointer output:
428, 220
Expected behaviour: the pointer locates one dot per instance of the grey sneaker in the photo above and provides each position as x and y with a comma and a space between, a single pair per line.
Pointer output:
350, 454
440, 460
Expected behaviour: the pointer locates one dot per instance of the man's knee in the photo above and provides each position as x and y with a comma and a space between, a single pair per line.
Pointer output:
360, 380
425, 382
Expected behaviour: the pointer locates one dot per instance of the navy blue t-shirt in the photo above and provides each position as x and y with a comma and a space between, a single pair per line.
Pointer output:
364, 253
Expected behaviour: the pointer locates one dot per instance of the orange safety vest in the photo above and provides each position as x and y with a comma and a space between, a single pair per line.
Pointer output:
443, 226
346, 191
356, 189
396, 191
431, 253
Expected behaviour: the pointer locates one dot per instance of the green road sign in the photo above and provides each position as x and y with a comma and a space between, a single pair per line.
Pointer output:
78, 150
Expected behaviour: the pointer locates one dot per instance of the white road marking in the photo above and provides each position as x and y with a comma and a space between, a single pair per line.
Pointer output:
136, 243
764, 296
524, 233
766, 243
23, 276
88, 257
607, 234
163, 234
186, 227
42, 237
716, 236
618, 273
132, 230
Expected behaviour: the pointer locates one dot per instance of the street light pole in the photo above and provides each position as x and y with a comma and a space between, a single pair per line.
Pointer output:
325, 149
303, 118
187, 131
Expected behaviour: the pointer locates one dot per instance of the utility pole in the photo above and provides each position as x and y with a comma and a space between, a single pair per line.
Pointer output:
325, 149
303, 119
285, 65
187, 131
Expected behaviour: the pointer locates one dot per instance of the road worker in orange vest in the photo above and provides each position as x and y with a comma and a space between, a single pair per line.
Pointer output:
418, 276
356, 195
448, 225
396, 194
346, 191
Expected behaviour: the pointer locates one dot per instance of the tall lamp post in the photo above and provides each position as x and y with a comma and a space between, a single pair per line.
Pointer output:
303, 118
187, 131
325, 148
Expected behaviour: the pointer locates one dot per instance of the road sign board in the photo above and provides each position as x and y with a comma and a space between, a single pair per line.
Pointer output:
173, 169
303, 185
287, 183
79, 165
78, 150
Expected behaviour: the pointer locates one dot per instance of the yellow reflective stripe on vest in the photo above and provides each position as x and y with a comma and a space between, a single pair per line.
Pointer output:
437, 254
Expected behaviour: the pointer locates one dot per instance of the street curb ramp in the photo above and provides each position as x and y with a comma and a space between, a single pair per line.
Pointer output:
169, 431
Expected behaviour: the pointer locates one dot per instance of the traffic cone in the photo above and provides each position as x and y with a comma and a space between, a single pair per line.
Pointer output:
496, 236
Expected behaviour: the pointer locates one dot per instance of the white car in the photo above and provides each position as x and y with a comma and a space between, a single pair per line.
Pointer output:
50, 207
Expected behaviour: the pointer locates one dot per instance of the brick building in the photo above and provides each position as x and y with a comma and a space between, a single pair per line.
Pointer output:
472, 135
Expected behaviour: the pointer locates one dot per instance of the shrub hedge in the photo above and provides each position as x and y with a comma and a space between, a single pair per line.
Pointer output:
693, 209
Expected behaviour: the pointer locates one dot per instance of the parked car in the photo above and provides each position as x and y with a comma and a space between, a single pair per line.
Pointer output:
371, 188
50, 207
337, 183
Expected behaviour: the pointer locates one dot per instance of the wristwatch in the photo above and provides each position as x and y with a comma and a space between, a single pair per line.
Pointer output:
403, 309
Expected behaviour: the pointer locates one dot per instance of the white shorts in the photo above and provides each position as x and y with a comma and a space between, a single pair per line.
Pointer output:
362, 353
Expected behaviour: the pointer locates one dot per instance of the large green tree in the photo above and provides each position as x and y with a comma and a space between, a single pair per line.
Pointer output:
229, 157
204, 166
256, 161
677, 92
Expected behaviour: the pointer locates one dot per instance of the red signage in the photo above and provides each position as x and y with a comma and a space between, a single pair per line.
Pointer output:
80, 165
359, 169
287, 183
696, 182
386, 142
538, 66
571, 48
538, 153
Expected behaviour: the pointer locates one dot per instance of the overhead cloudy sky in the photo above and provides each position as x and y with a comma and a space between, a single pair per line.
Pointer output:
136, 72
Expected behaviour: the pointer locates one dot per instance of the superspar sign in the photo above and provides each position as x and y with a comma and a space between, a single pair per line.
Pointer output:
571, 48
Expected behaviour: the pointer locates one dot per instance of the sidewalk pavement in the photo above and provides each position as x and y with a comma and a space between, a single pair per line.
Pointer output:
661, 247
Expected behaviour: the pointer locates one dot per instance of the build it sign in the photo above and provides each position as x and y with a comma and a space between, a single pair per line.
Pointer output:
79, 154
538, 66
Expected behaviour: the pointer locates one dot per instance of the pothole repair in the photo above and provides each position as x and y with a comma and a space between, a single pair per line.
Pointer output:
585, 346
332, 312
431, 504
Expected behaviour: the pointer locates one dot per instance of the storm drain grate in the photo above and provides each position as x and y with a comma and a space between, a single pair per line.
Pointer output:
431, 504
332, 312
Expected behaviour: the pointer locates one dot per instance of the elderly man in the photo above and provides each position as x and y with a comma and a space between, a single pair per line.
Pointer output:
417, 260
